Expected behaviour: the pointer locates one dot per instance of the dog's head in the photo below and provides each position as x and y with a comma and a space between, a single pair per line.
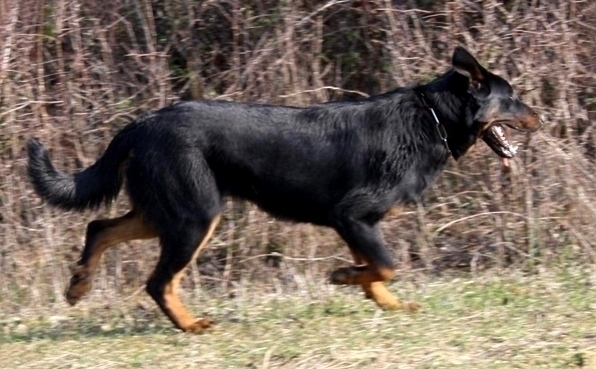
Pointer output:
498, 106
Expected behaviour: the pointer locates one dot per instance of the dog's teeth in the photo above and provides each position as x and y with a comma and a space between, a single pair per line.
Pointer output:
514, 149
500, 132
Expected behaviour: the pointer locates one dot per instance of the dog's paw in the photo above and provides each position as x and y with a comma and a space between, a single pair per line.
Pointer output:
390, 304
395, 304
200, 326
411, 306
80, 285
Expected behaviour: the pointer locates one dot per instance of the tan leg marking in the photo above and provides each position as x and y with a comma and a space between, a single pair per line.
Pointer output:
378, 292
364, 274
177, 312
393, 211
101, 235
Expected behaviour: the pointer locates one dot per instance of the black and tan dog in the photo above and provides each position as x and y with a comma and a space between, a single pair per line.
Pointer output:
342, 165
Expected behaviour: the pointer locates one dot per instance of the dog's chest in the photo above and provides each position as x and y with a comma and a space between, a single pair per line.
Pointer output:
408, 184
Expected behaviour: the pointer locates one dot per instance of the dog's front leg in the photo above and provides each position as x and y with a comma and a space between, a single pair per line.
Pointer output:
373, 265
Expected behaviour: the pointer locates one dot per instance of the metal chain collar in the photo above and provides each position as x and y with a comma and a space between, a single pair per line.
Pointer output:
440, 128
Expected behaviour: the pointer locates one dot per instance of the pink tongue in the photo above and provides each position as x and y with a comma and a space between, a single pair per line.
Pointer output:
505, 162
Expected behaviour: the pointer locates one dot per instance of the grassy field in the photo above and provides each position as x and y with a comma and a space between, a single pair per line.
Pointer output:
546, 320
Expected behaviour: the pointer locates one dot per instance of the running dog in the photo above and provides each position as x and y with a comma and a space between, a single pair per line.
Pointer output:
342, 165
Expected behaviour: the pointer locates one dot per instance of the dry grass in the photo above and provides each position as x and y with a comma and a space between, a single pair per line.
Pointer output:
544, 320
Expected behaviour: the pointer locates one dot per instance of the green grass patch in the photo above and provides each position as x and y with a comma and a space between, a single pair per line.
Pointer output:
510, 321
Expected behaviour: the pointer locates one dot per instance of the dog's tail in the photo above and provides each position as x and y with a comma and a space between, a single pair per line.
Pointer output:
99, 183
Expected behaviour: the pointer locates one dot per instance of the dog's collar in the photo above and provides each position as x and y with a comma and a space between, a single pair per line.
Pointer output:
440, 128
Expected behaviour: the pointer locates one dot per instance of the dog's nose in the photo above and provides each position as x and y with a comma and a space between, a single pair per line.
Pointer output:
540, 119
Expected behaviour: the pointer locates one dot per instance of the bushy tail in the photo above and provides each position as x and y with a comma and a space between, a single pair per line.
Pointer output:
100, 183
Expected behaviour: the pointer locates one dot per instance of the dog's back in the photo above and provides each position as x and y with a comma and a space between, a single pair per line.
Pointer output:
296, 163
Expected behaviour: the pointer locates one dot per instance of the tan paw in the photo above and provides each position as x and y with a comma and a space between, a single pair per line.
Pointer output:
411, 306
80, 285
200, 325
395, 304
390, 304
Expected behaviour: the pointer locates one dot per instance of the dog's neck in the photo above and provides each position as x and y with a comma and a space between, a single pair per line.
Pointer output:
454, 108
441, 130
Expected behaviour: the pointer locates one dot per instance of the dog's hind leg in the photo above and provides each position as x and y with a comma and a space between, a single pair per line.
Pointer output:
102, 234
178, 249
373, 265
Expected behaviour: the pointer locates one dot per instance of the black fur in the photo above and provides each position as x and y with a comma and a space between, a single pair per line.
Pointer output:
340, 164
100, 183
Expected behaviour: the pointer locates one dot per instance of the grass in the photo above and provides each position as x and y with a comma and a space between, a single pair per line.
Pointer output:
546, 320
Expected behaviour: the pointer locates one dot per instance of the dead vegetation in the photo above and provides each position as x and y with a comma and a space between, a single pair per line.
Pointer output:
72, 72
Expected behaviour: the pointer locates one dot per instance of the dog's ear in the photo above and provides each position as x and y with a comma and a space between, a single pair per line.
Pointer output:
464, 63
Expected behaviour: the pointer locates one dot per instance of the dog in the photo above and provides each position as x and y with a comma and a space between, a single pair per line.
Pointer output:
342, 165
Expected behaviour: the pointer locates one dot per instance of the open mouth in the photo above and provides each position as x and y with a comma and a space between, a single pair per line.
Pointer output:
497, 138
